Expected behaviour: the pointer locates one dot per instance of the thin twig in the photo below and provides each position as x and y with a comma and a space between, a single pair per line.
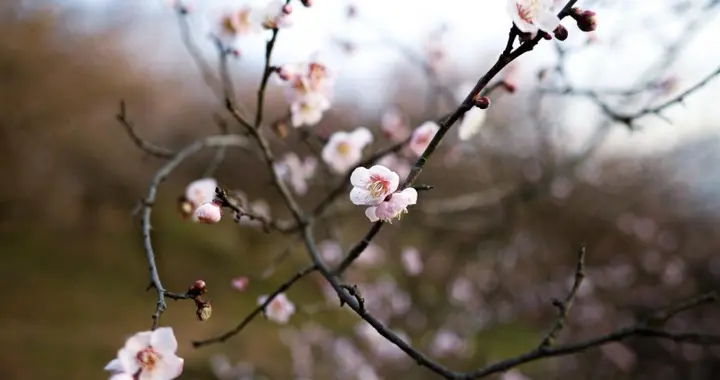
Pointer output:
141, 143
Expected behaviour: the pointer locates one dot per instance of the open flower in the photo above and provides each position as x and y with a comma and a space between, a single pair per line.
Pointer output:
209, 213
371, 186
308, 109
149, 355
236, 23
532, 15
393, 207
279, 309
296, 171
344, 149
422, 136
276, 15
393, 125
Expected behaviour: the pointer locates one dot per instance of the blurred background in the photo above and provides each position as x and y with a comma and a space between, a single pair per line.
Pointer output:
574, 155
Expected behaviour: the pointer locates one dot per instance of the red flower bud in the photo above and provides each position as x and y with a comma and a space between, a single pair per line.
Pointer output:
482, 102
561, 33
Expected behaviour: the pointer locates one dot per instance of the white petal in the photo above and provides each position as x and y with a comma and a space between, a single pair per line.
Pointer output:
201, 191
471, 124
139, 341
163, 340
387, 174
361, 137
362, 197
115, 365
547, 21
360, 177
121, 376
170, 367
409, 195
370, 213
128, 358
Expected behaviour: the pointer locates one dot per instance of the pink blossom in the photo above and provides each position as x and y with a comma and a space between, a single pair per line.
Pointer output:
371, 186
296, 171
150, 355
279, 309
422, 136
393, 207
308, 109
209, 213
200, 191
411, 261
240, 283
344, 149
393, 125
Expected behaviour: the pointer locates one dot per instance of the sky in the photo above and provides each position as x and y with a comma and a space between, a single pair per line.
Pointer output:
477, 34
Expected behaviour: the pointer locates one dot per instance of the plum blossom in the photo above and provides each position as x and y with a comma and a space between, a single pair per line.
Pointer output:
279, 309
446, 343
122, 376
276, 15
371, 186
411, 261
209, 213
247, 20
148, 355
308, 109
393, 207
330, 251
240, 283
309, 91
422, 136
296, 171
393, 125
530, 16
258, 208
344, 149
200, 191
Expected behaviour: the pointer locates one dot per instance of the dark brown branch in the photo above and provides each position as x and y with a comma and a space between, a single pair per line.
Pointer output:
141, 143
240, 212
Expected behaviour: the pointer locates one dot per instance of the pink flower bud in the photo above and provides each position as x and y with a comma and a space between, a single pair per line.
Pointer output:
285, 72
482, 102
198, 288
287, 9
585, 19
209, 213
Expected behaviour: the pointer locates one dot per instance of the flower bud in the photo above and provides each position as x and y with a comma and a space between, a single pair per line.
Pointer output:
209, 213
307, 3
204, 311
482, 102
561, 33
197, 288
585, 19
287, 9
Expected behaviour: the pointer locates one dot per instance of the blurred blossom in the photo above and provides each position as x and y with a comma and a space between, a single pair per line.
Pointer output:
331, 251
240, 283
619, 276
400, 302
279, 309
300, 352
348, 357
308, 109
399, 165
471, 123
620, 355
381, 347
421, 137
259, 208
201, 191
461, 291
674, 272
651, 261
371, 256
411, 261
586, 288
343, 150
309, 91
209, 213
561, 187
295, 171
590, 311
514, 374
645, 229
446, 343
393, 125
367, 372
223, 370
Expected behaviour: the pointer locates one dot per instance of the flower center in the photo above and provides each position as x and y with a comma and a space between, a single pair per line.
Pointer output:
147, 358
378, 186
527, 9
276, 306
227, 25
343, 148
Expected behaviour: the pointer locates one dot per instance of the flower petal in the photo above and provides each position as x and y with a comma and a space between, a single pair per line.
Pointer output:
138, 341
408, 195
471, 123
547, 21
361, 137
370, 213
128, 359
360, 177
163, 340
170, 367
362, 197
115, 365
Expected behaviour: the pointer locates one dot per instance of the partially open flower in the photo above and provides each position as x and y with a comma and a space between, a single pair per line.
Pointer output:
393, 207
209, 213
276, 15
295, 171
371, 186
201, 191
344, 149
471, 123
